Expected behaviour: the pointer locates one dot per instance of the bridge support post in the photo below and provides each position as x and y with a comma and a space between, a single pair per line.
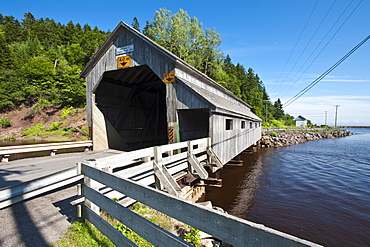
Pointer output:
194, 164
158, 161
163, 178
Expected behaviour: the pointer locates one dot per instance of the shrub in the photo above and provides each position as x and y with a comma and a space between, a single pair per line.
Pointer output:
5, 122
193, 236
35, 130
55, 126
273, 134
68, 111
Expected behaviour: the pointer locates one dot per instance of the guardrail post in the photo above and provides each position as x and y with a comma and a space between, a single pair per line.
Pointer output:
53, 152
79, 190
5, 158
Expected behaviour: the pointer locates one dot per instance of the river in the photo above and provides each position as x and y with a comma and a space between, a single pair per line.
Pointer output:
319, 190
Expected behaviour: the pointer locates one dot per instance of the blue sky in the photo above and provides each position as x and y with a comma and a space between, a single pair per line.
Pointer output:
280, 40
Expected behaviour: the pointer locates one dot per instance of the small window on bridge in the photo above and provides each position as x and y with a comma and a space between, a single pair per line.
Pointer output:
229, 124
250, 125
243, 124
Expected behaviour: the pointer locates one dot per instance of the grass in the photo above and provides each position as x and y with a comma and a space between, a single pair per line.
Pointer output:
5, 122
85, 234
55, 130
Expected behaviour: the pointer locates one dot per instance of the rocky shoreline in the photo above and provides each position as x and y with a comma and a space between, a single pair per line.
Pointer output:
282, 139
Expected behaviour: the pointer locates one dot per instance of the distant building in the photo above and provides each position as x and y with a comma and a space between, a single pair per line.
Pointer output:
300, 122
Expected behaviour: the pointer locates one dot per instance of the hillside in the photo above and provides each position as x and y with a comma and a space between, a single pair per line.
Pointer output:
48, 124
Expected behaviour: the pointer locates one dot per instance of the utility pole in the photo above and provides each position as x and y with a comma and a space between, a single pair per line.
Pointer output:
336, 115
266, 108
326, 116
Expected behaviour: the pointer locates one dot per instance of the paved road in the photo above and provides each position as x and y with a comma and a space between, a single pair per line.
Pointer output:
40, 221
23, 170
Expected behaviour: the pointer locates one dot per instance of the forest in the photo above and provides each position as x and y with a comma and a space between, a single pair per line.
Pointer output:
41, 59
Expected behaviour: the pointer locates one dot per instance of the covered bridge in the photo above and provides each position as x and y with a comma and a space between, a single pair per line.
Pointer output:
141, 95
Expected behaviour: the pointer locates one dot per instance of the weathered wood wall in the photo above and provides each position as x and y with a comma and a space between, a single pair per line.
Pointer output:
229, 143
186, 98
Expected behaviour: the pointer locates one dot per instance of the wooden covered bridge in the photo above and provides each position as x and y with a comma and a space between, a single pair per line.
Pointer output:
141, 95
176, 124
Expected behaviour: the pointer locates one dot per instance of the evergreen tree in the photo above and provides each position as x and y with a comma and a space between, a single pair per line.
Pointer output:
278, 109
135, 24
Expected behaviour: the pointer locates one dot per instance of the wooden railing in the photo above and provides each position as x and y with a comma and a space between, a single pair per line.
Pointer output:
5, 152
161, 165
227, 228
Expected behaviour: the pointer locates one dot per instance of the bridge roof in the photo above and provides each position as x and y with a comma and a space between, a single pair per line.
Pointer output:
223, 105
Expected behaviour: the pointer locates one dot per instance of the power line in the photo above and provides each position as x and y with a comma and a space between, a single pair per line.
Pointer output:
303, 91
309, 42
299, 38
325, 44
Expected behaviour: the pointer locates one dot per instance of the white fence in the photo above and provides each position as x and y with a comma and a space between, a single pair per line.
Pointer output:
227, 228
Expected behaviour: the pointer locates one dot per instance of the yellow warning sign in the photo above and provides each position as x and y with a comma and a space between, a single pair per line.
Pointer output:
169, 77
123, 62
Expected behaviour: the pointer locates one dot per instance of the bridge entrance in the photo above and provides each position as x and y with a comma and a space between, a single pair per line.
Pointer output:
133, 102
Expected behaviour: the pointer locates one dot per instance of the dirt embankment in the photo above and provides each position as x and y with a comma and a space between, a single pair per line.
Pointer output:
282, 139
48, 124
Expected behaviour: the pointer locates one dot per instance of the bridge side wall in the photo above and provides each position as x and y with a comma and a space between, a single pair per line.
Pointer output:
229, 138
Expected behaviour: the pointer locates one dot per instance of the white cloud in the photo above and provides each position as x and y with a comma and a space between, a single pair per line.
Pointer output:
353, 109
345, 80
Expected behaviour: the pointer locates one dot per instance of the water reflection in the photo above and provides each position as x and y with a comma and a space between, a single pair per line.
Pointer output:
247, 190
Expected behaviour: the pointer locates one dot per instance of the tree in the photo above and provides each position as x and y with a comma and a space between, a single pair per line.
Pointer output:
5, 60
278, 109
135, 24
185, 37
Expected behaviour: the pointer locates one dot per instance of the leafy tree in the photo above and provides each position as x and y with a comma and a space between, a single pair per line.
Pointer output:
185, 37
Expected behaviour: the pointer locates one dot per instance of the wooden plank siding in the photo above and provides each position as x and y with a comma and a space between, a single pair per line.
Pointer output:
192, 95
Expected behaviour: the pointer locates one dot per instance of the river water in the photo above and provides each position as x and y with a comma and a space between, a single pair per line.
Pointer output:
319, 190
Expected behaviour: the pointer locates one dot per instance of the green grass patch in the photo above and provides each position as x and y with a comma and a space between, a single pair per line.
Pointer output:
55, 130
85, 234
68, 111
55, 126
5, 122
34, 130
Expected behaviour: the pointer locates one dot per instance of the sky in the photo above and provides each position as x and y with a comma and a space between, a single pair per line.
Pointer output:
288, 43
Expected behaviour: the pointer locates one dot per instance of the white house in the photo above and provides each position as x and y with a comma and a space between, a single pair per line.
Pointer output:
300, 122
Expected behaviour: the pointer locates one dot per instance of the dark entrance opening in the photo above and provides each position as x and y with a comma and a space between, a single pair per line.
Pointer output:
133, 101
193, 123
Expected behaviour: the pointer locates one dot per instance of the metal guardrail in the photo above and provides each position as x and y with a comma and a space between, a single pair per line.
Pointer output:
23, 191
268, 130
5, 152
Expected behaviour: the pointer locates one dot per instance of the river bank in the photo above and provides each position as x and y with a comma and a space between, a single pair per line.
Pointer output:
282, 139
